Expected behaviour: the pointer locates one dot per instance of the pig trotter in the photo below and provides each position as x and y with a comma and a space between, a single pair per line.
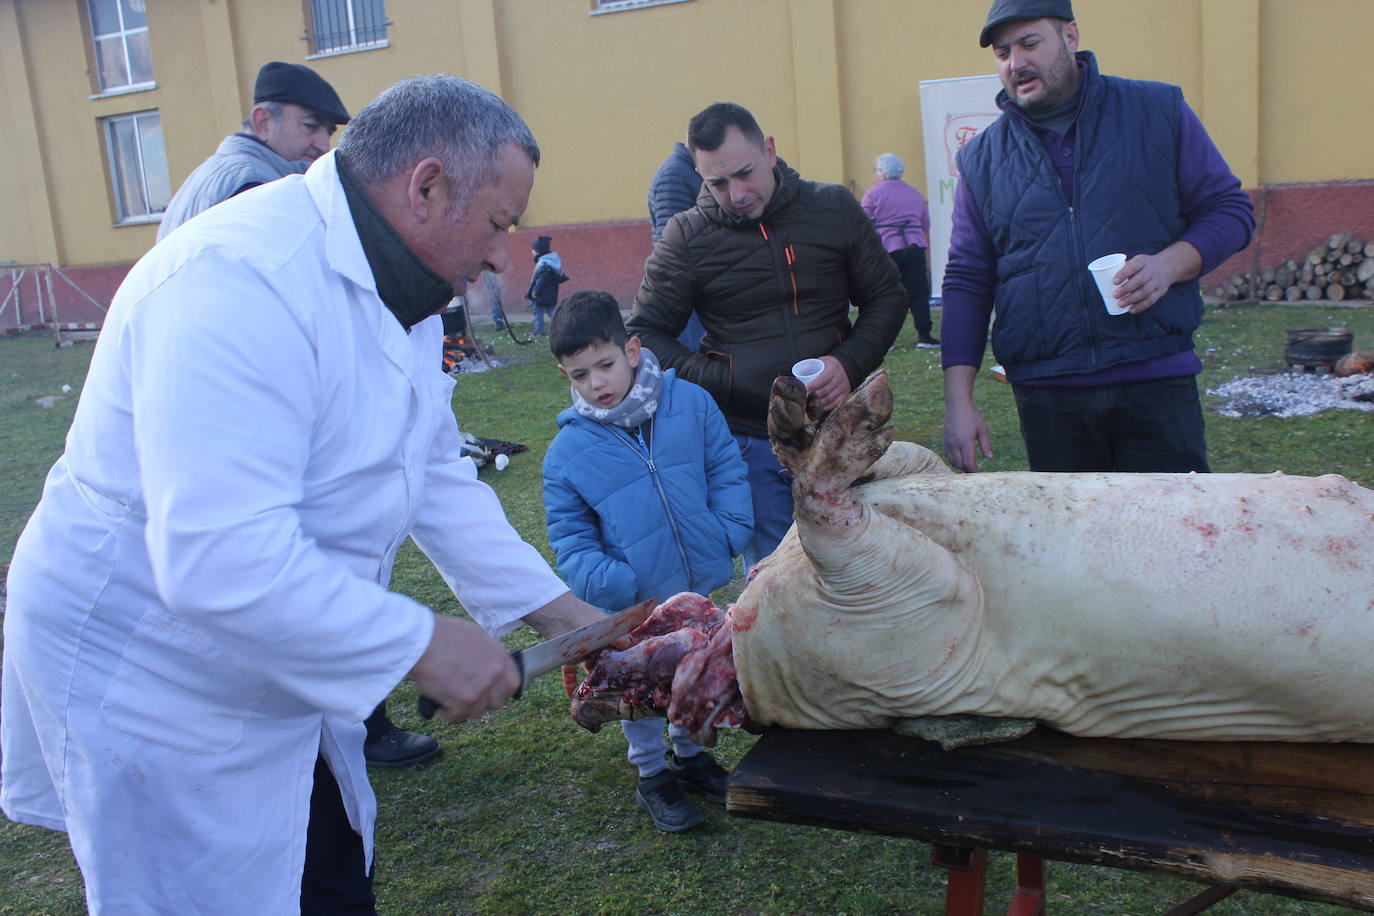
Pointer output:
793, 417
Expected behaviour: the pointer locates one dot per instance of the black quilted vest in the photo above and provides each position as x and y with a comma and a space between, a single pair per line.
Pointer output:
1049, 316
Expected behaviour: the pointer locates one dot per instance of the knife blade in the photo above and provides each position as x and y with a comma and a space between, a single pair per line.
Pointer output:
565, 648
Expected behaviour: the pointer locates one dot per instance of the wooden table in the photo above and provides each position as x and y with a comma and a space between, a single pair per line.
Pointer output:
1293, 819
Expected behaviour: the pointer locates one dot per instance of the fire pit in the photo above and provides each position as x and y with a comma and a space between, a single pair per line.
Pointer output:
1315, 349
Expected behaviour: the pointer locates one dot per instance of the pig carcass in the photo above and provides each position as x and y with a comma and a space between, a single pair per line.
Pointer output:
1180, 606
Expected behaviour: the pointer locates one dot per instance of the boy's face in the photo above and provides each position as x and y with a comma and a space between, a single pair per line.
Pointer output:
604, 372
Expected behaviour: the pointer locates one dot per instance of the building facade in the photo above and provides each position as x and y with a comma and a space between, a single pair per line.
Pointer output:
107, 105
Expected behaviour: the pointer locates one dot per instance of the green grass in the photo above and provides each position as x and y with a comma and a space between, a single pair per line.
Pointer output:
527, 814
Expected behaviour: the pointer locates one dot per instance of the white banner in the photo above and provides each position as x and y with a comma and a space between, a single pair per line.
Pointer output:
953, 112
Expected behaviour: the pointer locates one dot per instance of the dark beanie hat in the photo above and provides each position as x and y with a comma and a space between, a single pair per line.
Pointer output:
543, 245
1012, 10
298, 84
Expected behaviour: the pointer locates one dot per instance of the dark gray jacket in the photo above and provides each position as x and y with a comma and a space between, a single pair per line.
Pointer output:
240, 162
674, 188
769, 292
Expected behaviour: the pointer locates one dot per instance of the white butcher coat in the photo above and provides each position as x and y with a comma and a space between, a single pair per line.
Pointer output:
198, 606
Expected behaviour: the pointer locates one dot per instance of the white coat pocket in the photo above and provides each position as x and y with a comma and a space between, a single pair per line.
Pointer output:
173, 686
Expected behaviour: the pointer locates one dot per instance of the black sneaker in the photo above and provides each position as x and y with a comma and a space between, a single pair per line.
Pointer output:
701, 774
397, 747
663, 799
928, 342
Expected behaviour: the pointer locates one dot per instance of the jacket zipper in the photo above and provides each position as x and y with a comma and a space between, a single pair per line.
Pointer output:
647, 456
784, 258
1088, 328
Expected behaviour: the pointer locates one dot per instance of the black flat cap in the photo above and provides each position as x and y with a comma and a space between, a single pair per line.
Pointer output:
1011, 10
297, 83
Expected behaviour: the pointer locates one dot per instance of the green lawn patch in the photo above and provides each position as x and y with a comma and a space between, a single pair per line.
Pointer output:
527, 814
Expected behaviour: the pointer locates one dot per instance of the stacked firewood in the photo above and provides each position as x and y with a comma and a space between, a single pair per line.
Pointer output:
1343, 268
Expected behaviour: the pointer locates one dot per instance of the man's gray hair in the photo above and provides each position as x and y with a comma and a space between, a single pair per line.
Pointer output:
463, 125
889, 165
272, 108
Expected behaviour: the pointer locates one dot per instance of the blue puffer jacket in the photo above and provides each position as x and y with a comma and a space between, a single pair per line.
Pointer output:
626, 524
1050, 319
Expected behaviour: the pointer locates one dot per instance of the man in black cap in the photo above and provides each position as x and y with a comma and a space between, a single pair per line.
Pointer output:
293, 116
1082, 165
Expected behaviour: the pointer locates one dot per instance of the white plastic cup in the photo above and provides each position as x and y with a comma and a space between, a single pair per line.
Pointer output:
501, 461
1103, 269
806, 371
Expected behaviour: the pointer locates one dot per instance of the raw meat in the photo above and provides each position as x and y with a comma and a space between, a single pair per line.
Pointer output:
638, 681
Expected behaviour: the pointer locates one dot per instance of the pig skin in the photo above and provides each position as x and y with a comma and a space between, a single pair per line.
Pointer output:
1180, 606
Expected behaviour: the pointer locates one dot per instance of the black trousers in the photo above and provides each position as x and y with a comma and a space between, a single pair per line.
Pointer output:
1142, 426
336, 880
911, 264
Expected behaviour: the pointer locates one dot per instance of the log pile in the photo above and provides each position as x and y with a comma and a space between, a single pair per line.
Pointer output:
1342, 268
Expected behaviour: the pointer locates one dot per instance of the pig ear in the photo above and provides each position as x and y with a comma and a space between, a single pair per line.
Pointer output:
851, 439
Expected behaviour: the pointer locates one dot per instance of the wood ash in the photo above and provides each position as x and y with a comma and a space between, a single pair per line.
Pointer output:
1292, 394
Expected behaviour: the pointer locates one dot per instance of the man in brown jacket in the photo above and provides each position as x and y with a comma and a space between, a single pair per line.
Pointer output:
771, 264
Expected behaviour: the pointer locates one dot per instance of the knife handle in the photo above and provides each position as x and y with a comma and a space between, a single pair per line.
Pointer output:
427, 707
519, 658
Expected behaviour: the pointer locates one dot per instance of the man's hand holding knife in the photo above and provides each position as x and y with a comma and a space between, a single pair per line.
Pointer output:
466, 672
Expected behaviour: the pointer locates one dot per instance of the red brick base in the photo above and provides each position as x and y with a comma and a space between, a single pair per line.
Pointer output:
1298, 218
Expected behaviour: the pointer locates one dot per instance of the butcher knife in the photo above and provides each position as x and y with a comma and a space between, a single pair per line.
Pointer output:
565, 648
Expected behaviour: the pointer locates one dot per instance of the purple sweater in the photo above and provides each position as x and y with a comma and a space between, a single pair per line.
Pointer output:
1220, 221
899, 213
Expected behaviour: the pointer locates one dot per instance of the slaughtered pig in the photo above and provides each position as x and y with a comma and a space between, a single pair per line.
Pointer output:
1180, 606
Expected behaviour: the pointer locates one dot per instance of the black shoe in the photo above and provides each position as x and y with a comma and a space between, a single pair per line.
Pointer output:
927, 342
701, 774
399, 748
663, 799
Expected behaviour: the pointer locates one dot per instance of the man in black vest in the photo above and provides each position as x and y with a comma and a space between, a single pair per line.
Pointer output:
1082, 165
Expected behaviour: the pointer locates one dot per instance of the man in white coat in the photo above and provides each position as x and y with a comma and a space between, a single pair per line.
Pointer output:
198, 612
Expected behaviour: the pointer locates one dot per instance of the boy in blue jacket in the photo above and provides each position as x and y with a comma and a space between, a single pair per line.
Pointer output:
646, 496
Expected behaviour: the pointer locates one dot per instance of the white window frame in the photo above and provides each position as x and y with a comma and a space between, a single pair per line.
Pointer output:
312, 36
122, 214
602, 7
123, 36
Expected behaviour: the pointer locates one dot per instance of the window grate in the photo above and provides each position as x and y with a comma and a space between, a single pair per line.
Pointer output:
344, 25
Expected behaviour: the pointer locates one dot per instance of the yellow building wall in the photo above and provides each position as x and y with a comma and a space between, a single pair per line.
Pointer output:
1316, 113
834, 81
607, 95
26, 229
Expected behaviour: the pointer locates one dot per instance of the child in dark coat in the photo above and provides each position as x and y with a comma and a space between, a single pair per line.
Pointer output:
548, 275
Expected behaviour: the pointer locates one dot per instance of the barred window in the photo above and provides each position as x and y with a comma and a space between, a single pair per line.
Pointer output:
119, 31
346, 25
138, 165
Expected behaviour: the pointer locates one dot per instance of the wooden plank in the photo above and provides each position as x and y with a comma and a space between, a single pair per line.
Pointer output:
1288, 819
